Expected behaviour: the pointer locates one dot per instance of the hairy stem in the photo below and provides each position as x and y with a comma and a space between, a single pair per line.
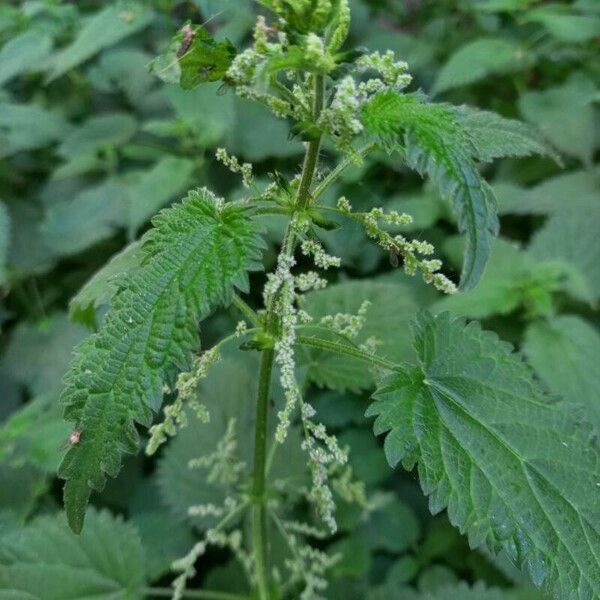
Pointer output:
259, 517
346, 350
259, 513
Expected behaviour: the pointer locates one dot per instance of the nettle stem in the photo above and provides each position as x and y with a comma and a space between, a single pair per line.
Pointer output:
259, 512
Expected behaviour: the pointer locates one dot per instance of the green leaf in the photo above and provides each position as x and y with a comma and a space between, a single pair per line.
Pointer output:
571, 237
164, 540
196, 254
22, 486
513, 469
564, 24
38, 354
28, 253
460, 591
513, 279
154, 188
565, 115
34, 434
104, 284
25, 52
193, 57
123, 69
28, 127
477, 60
575, 189
106, 130
45, 561
209, 120
495, 137
387, 317
435, 144
564, 353
94, 214
104, 28
4, 241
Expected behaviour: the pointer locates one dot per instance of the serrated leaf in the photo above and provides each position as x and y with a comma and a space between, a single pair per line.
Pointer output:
478, 59
434, 144
25, 52
4, 241
196, 254
494, 136
104, 284
565, 115
386, 319
513, 469
564, 352
571, 237
44, 561
105, 28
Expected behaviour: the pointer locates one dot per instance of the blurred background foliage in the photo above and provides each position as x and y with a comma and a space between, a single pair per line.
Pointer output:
91, 146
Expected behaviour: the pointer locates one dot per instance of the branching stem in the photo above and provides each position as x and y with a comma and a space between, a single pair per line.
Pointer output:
259, 513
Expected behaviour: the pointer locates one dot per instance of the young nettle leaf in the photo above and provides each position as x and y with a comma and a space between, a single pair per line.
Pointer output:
195, 255
434, 143
514, 470
193, 57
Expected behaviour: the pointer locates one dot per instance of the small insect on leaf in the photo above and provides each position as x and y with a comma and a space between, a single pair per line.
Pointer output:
72, 440
188, 38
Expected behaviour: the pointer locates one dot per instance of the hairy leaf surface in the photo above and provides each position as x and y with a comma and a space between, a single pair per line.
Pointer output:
195, 255
435, 144
44, 561
513, 469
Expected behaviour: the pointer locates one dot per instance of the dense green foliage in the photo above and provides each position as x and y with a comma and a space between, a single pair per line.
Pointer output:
120, 293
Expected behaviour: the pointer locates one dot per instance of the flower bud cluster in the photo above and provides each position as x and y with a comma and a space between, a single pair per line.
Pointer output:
234, 165
393, 73
341, 118
321, 258
345, 323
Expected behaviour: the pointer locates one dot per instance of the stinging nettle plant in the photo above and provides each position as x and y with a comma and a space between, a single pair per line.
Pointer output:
515, 470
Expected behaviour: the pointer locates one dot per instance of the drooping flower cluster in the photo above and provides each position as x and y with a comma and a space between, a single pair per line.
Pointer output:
234, 165
224, 466
213, 537
400, 247
175, 414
